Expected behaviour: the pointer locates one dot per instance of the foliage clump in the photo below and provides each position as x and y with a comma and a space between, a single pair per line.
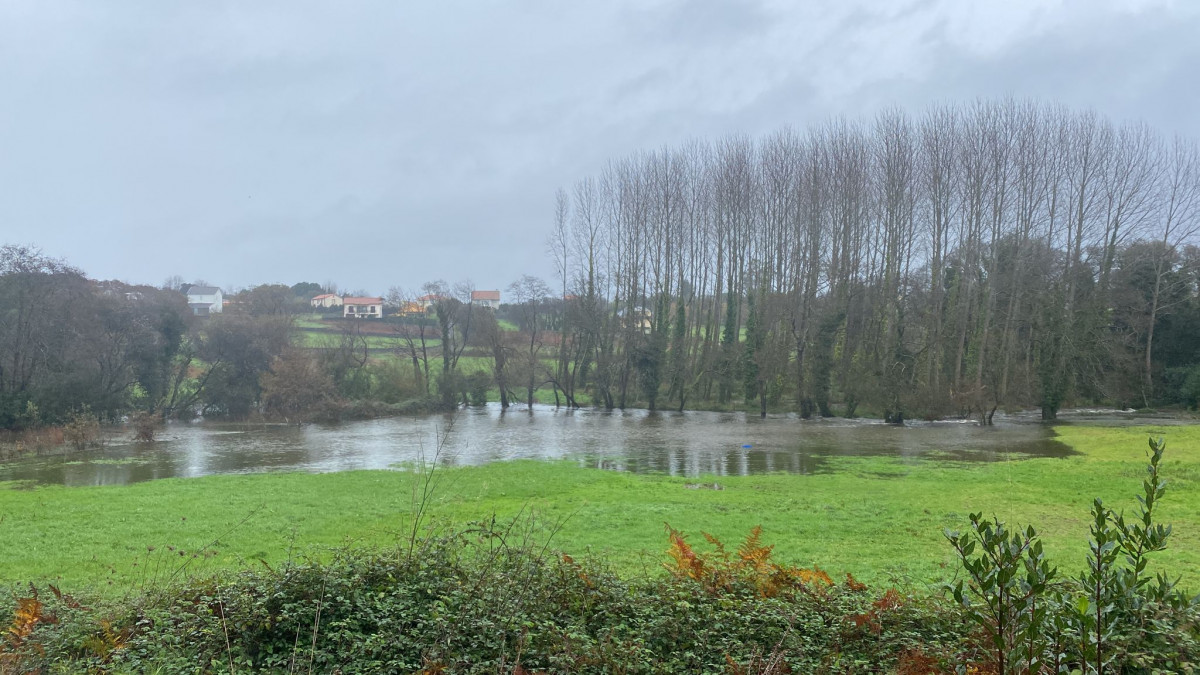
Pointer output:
145, 426
751, 566
82, 429
485, 600
1112, 617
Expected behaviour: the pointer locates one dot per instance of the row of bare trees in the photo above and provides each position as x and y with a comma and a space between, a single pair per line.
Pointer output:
1001, 253
440, 322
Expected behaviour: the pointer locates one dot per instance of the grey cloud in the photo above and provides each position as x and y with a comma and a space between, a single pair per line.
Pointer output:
700, 22
382, 143
1125, 66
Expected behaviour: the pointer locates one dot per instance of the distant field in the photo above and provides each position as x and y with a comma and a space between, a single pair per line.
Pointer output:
317, 339
308, 321
879, 518
314, 331
468, 365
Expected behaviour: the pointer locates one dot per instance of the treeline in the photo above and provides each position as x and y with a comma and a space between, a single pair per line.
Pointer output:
994, 255
68, 343
1002, 253
72, 346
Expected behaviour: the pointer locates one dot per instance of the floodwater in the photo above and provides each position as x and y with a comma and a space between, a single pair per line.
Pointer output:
684, 444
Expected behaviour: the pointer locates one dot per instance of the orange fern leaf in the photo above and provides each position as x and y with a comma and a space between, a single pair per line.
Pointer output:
815, 576
890, 600
687, 563
854, 584
717, 544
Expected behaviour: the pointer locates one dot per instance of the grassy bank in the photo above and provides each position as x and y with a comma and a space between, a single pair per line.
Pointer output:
879, 518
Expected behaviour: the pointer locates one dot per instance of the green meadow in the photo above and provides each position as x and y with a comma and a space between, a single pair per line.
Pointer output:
879, 518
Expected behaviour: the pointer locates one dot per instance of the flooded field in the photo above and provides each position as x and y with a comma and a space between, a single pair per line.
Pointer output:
688, 444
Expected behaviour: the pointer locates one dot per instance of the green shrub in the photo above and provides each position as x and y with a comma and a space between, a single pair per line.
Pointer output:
486, 600
1112, 617
82, 429
450, 387
1190, 389
477, 385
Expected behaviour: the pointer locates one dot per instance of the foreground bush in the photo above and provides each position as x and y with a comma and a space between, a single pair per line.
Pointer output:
1113, 617
472, 603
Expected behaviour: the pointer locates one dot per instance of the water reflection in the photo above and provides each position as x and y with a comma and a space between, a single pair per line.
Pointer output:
687, 444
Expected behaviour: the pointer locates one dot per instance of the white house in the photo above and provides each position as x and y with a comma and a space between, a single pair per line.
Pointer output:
362, 308
489, 299
326, 300
639, 318
205, 300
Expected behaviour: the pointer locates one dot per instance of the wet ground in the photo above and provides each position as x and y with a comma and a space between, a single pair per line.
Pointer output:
687, 444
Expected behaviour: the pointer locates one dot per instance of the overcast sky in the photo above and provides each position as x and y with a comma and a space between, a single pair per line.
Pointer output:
388, 143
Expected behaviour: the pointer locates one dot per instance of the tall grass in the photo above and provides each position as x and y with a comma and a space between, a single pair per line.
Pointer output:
32, 442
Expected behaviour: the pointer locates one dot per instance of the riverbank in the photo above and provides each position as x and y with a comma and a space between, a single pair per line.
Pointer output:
880, 518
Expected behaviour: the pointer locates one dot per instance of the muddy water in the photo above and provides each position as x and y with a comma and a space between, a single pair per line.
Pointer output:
688, 444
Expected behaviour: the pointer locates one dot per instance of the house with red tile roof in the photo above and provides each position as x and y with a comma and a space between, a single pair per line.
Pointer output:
362, 308
489, 299
428, 301
326, 300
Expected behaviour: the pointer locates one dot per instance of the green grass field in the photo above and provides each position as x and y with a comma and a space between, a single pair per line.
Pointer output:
878, 518
315, 338
309, 321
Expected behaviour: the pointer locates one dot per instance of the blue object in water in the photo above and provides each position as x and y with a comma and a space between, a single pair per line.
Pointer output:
747, 446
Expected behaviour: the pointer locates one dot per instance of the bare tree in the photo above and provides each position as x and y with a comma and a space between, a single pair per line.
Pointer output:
1175, 222
414, 330
530, 298
959, 261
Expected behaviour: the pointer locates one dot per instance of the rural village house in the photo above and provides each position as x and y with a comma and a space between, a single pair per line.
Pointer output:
326, 300
362, 308
428, 301
205, 300
638, 318
409, 308
489, 299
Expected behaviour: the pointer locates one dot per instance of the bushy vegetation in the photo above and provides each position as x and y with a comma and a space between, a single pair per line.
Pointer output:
1115, 616
485, 600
